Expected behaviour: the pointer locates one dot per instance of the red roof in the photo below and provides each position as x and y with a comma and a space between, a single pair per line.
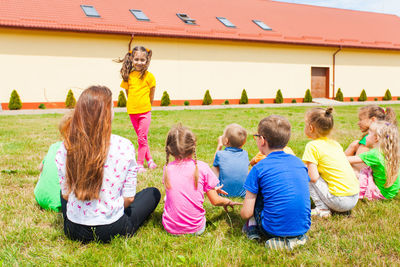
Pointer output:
290, 23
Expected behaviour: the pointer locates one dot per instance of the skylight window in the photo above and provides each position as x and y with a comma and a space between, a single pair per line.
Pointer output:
226, 22
262, 25
139, 15
90, 11
185, 18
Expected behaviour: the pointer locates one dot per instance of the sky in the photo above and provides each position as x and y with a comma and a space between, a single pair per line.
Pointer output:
381, 6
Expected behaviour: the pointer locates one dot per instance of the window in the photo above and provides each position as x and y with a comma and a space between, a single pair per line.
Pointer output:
185, 18
90, 11
139, 15
262, 25
226, 22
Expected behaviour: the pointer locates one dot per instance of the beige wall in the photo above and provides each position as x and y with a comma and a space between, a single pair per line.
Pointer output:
43, 66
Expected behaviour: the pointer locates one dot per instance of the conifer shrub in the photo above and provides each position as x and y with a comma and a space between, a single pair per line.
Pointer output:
70, 101
278, 97
363, 96
186, 103
294, 101
226, 102
398, 98
42, 106
244, 99
387, 96
121, 100
165, 101
351, 99
339, 95
307, 97
207, 100
15, 102
261, 101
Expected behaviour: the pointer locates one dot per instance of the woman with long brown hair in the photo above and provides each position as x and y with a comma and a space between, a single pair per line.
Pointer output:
97, 173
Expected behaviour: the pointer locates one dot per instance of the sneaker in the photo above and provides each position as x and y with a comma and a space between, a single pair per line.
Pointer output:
320, 213
251, 232
151, 164
286, 243
140, 169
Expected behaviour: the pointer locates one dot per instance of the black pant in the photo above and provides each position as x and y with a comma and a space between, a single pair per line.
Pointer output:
144, 204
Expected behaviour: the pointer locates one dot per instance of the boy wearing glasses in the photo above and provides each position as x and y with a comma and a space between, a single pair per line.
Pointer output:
231, 165
277, 202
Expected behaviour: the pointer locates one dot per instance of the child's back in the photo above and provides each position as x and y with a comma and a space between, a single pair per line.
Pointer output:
282, 180
183, 211
233, 166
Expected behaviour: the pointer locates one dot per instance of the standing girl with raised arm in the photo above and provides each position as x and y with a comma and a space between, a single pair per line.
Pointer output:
383, 158
139, 85
186, 179
97, 172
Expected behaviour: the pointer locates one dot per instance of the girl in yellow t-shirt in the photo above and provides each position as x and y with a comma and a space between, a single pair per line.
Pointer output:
139, 85
334, 185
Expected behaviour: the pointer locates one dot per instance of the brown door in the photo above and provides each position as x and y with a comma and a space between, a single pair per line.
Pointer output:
319, 82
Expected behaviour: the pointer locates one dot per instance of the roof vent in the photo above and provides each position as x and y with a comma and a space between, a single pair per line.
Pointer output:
90, 11
226, 22
262, 25
185, 18
139, 15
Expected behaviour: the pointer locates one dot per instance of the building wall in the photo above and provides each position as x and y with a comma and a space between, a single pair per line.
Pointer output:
43, 65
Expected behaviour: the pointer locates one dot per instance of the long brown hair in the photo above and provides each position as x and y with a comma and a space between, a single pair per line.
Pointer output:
388, 145
87, 139
181, 144
127, 61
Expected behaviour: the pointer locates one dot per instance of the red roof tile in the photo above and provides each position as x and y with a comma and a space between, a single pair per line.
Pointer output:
290, 23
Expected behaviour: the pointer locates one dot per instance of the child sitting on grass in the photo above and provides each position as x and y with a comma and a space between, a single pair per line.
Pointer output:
231, 165
334, 185
186, 179
383, 158
260, 156
277, 202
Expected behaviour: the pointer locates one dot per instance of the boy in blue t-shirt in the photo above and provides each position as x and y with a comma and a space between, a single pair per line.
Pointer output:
231, 165
277, 202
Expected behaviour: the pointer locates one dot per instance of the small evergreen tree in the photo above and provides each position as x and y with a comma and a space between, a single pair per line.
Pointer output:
294, 101
339, 95
226, 102
70, 101
261, 101
15, 102
363, 96
278, 97
207, 100
244, 99
121, 99
388, 95
307, 97
165, 101
186, 103
351, 99
42, 106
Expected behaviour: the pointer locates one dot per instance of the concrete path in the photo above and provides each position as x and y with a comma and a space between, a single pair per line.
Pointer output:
318, 102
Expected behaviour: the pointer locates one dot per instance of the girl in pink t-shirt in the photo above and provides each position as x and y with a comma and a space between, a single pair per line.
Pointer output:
186, 179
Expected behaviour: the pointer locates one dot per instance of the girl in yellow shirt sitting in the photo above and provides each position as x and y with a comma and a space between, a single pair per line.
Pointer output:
139, 85
333, 183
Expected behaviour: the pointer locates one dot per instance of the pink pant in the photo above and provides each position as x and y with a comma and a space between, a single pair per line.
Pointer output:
141, 124
368, 189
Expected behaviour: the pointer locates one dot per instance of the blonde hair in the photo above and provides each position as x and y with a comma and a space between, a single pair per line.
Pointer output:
388, 144
181, 144
321, 119
235, 134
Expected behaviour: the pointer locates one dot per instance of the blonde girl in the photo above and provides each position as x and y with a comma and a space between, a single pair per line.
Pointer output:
97, 173
333, 185
366, 116
383, 158
139, 85
186, 179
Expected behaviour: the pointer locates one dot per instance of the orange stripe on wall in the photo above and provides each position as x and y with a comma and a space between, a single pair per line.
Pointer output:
195, 102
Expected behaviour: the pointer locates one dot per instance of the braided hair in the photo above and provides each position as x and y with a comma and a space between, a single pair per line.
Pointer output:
181, 144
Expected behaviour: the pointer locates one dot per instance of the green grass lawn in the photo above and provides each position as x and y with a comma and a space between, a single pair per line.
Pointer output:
32, 236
